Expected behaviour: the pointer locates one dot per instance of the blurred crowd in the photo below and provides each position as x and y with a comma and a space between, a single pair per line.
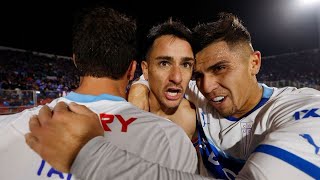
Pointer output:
29, 71
50, 76
299, 69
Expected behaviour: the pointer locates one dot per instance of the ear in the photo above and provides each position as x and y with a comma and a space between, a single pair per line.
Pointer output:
144, 67
255, 62
132, 70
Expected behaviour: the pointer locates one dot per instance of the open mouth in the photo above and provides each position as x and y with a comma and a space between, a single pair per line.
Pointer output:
218, 99
173, 93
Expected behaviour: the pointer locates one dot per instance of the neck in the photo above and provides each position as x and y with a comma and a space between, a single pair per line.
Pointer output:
257, 94
157, 108
96, 86
255, 97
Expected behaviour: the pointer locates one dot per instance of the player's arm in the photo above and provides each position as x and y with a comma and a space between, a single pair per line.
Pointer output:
99, 159
72, 139
57, 135
292, 147
139, 93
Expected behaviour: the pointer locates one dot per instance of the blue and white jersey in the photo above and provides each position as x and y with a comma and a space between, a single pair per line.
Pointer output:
278, 139
143, 134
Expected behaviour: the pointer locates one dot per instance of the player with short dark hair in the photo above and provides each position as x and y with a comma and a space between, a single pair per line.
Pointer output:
168, 66
247, 130
104, 51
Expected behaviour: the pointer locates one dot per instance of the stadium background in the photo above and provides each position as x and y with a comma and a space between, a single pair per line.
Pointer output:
35, 42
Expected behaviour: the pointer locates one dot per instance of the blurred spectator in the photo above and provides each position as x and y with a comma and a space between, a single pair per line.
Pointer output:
35, 71
55, 76
298, 69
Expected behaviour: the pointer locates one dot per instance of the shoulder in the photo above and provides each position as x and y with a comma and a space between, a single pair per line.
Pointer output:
293, 98
19, 120
187, 105
286, 103
296, 111
293, 136
296, 98
286, 91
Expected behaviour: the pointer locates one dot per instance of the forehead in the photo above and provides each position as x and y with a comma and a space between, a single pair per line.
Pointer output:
218, 51
213, 51
168, 45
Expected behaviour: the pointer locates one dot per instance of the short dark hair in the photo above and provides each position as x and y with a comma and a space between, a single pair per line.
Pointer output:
170, 27
104, 43
227, 28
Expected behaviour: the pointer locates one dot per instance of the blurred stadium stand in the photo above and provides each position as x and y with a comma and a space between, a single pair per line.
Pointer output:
47, 76
299, 69
28, 79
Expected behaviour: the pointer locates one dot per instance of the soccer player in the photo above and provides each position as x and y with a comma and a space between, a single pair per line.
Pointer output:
104, 45
248, 130
241, 118
168, 68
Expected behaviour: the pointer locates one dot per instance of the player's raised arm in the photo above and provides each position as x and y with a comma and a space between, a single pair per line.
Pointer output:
139, 93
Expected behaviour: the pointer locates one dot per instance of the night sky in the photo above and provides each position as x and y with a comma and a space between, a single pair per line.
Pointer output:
276, 26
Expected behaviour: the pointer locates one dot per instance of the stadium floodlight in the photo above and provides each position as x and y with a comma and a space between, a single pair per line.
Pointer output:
315, 5
308, 2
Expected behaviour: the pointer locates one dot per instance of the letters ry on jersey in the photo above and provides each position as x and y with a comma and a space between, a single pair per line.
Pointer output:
108, 118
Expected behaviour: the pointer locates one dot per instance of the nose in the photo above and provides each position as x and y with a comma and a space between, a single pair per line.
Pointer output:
208, 84
175, 75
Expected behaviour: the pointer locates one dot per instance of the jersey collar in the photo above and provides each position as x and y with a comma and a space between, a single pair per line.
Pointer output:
267, 93
85, 98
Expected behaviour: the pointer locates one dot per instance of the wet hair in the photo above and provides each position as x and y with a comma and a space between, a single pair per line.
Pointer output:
227, 28
174, 28
104, 43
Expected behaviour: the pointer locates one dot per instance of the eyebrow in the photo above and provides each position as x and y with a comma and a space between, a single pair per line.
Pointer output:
217, 64
188, 59
170, 58
222, 62
164, 57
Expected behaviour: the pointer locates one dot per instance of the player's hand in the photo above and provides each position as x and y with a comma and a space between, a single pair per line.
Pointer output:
58, 135
139, 96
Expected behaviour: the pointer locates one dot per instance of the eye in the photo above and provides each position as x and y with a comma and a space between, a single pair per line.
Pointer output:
164, 63
188, 65
219, 68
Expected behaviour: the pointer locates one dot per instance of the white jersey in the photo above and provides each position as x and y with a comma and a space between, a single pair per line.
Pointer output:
129, 129
278, 139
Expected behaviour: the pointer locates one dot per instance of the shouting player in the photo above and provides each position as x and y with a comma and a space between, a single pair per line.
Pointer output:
104, 45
